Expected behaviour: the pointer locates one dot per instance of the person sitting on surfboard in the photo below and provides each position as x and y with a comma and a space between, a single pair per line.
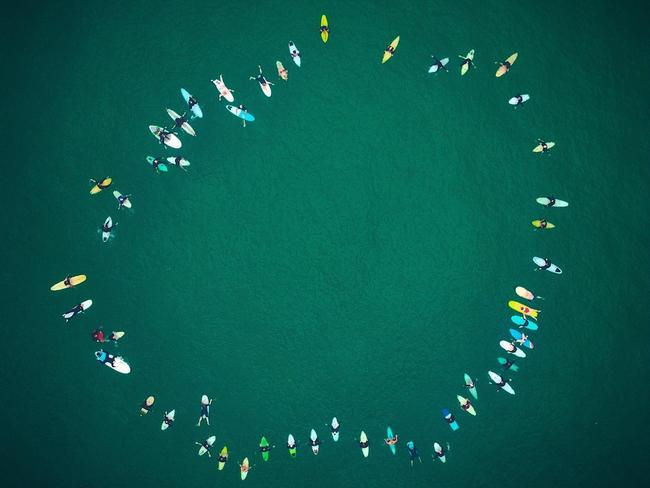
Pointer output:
520, 99
205, 412
98, 335
543, 144
107, 226
390, 49
99, 183
67, 282
314, 442
121, 199
451, 419
168, 421
191, 101
547, 264
543, 223
79, 308
392, 441
324, 28
438, 63
466, 405
180, 120
470, 385
155, 163
205, 446
551, 202
108, 358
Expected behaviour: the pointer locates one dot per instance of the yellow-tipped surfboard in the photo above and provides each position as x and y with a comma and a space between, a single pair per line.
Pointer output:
468, 60
243, 468
324, 33
506, 65
523, 309
74, 281
223, 457
101, 185
540, 148
538, 224
390, 50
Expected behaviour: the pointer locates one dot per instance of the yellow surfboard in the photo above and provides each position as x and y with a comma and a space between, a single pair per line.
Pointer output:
523, 309
505, 66
324, 33
538, 224
74, 281
539, 147
465, 66
105, 183
389, 53
223, 454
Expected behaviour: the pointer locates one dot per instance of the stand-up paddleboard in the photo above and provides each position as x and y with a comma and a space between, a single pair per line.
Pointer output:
523, 309
506, 65
264, 444
522, 322
551, 202
440, 453
224, 91
119, 364
390, 435
527, 294
107, 229
542, 263
237, 112
471, 386
127, 202
463, 402
295, 54
210, 440
539, 148
223, 458
100, 185
363, 444
517, 101
517, 335
291, 445
85, 305
243, 468
509, 365
390, 50
147, 405
467, 62
161, 166
437, 66
449, 418
506, 346
193, 106
501, 382
168, 419
178, 161
74, 281
282, 71
315, 444
170, 139
538, 225
324, 28
181, 122
335, 429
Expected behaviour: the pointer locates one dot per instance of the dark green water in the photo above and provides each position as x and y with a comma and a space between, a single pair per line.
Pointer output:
350, 253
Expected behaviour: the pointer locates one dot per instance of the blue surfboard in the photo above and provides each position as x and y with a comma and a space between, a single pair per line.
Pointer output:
390, 435
161, 166
522, 322
237, 112
517, 335
449, 418
196, 110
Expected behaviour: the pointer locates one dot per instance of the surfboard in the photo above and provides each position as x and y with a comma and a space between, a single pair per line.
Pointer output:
547, 202
196, 110
498, 379
439, 453
363, 439
237, 112
185, 125
466, 64
539, 147
324, 34
210, 440
295, 54
223, 458
462, 401
515, 100
387, 54
178, 161
435, 68
74, 281
170, 140
538, 225
127, 202
119, 364
522, 322
506, 65
105, 183
170, 415
552, 268
506, 346
85, 305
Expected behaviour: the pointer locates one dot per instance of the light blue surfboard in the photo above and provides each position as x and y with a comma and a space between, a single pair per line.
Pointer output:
161, 166
446, 414
196, 110
522, 322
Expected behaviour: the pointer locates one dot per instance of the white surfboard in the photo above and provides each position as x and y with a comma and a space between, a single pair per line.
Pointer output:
547, 201
170, 140
434, 68
224, 91
314, 437
295, 54
107, 223
497, 379
506, 346
541, 262
117, 195
120, 365
85, 305
515, 100
363, 439
170, 415
438, 450
185, 125
266, 89
210, 440
335, 429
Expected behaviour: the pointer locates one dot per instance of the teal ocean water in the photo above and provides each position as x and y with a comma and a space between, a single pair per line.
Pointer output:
349, 253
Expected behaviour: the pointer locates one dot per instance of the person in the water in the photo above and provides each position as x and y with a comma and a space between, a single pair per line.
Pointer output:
413, 451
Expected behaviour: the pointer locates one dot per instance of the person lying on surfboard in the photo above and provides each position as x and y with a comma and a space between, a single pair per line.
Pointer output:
260, 78
392, 441
543, 144
168, 421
